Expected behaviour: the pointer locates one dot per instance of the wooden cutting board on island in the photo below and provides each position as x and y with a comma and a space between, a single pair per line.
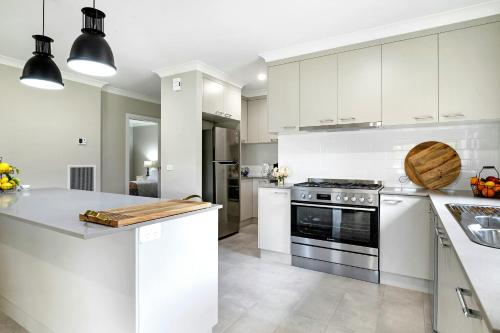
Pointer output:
119, 217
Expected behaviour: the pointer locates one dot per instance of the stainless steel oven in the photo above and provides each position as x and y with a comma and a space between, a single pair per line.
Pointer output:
336, 231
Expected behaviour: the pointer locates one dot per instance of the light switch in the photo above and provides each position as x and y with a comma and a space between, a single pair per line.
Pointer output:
82, 141
170, 167
177, 84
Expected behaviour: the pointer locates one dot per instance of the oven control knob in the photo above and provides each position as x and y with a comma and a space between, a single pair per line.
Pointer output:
339, 198
309, 196
346, 198
370, 200
303, 196
362, 199
353, 199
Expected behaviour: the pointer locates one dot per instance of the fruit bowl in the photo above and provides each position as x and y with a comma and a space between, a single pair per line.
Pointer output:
486, 187
8, 177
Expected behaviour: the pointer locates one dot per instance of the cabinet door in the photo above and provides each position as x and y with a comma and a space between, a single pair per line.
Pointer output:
232, 102
283, 97
360, 86
213, 97
405, 242
274, 220
469, 73
450, 276
253, 121
244, 121
318, 91
255, 198
410, 81
246, 199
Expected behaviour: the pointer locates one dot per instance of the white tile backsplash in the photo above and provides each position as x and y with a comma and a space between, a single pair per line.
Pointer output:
379, 154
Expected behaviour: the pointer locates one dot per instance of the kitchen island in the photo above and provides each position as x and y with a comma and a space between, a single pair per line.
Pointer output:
58, 274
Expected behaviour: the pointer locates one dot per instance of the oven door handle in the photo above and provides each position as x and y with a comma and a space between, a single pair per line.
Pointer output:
334, 207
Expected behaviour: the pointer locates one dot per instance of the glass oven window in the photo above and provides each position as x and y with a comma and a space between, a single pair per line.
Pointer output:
339, 225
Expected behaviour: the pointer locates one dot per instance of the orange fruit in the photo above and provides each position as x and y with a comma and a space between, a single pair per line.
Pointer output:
496, 188
480, 185
489, 184
488, 192
474, 180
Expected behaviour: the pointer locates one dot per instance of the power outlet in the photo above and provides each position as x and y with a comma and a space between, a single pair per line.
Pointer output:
82, 141
150, 233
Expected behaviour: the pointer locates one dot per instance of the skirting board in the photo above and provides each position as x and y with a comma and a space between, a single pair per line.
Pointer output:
278, 257
21, 317
406, 282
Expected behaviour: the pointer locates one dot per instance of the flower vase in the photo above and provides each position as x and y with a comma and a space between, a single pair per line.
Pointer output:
281, 181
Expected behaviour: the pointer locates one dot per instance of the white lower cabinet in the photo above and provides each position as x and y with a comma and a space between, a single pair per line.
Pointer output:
274, 220
246, 199
450, 276
406, 247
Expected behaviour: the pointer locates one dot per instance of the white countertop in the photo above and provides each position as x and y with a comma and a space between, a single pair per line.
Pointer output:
480, 263
58, 210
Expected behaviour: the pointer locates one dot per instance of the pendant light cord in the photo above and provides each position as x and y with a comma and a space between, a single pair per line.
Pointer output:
43, 18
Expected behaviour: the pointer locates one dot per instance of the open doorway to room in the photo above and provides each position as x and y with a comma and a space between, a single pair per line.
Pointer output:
142, 156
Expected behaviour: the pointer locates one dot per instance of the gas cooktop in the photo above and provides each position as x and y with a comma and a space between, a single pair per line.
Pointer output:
342, 184
338, 191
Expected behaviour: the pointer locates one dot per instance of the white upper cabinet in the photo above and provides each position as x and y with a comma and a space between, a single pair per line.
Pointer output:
410, 81
469, 73
244, 122
360, 80
220, 99
232, 102
213, 97
318, 91
283, 97
257, 121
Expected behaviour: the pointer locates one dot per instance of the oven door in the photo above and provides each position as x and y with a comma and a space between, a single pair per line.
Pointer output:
341, 224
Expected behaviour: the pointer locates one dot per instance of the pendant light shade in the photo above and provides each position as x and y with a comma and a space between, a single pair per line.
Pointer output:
40, 71
90, 53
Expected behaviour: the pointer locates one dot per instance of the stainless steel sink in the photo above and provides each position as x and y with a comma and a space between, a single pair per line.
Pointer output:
480, 223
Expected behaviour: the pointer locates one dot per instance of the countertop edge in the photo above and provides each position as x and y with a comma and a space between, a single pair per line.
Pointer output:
111, 230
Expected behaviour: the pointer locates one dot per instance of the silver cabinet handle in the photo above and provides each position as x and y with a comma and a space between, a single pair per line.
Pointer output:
274, 140
227, 115
469, 313
429, 117
454, 115
392, 202
289, 127
281, 193
326, 121
348, 118
441, 239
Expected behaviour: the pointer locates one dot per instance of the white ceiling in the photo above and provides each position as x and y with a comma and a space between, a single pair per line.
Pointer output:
226, 34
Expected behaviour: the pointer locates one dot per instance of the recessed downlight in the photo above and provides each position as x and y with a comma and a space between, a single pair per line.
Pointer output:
262, 77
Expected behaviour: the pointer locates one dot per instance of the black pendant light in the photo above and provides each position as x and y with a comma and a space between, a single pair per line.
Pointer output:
90, 53
40, 71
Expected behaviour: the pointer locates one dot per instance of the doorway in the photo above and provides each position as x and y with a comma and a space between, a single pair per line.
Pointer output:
142, 156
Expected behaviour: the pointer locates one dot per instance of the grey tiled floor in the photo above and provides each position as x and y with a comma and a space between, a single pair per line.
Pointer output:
256, 296
260, 297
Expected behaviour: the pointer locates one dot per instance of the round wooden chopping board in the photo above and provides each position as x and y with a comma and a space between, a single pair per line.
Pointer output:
432, 164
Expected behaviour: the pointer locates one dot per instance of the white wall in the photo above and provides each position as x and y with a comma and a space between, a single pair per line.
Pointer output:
379, 154
39, 128
114, 109
181, 136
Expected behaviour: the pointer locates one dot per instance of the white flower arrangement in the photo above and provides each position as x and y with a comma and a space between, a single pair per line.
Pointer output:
280, 173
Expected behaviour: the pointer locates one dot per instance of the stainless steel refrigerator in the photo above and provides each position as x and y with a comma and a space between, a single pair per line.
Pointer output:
221, 176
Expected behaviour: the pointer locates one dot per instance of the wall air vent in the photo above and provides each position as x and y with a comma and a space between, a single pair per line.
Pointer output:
81, 177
